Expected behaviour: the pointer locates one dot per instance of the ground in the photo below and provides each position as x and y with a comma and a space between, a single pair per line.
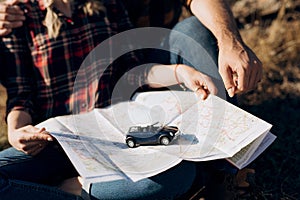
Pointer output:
277, 100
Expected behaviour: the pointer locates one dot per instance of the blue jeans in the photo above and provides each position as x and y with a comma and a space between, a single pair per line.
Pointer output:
24, 177
171, 184
191, 43
28, 178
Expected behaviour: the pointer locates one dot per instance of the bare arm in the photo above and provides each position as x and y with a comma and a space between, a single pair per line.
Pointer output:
17, 119
166, 75
235, 58
24, 136
217, 16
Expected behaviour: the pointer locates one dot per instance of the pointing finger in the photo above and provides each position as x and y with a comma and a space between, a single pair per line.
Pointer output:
227, 76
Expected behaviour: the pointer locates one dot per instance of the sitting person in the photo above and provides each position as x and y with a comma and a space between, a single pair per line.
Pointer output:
212, 26
245, 65
42, 60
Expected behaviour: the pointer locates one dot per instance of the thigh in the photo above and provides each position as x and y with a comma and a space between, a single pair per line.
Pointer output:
195, 44
170, 184
21, 190
50, 166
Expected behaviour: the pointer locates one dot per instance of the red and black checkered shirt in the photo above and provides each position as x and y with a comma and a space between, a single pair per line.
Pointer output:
39, 72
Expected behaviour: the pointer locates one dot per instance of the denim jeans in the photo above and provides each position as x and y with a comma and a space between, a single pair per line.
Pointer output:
26, 177
170, 184
191, 43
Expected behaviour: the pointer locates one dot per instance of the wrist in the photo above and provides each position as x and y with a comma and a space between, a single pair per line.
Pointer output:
229, 40
17, 119
178, 76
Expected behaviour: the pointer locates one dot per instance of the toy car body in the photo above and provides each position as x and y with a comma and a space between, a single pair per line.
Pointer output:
150, 135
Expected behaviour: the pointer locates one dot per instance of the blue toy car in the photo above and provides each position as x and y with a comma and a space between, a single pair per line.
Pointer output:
150, 135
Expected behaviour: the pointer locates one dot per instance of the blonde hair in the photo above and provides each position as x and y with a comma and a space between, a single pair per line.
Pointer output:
53, 22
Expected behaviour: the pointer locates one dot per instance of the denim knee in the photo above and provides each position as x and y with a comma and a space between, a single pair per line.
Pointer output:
3, 183
193, 28
193, 44
170, 184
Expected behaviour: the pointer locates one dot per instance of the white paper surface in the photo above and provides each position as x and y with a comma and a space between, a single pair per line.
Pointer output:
210, 129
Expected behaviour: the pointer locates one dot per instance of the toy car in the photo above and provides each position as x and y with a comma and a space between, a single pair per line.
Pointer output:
150, 135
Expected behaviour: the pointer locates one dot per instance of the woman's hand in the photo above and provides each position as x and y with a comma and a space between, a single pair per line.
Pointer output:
29, 139
166, 75
195, 80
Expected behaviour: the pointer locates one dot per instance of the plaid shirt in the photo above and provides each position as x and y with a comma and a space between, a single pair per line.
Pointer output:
40, 72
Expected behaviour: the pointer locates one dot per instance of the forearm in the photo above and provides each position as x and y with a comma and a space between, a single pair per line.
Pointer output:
161, 76
239, 67
166, 75
17, 119
217, 16
25, 137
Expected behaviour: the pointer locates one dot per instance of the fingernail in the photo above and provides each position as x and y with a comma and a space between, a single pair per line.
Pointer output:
230, 92
50, 139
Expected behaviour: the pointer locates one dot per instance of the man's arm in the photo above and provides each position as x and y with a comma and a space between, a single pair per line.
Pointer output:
11, 16
239, 67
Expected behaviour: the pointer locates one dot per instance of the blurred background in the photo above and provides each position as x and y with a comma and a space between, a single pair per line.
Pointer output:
272, 29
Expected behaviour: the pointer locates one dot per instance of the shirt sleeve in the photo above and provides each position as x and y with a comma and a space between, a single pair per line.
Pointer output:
18, 72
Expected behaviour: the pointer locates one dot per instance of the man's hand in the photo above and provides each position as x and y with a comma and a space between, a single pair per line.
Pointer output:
11, 16
239, 68
29, 139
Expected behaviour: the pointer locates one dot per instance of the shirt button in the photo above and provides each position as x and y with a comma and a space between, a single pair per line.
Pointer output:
83, 105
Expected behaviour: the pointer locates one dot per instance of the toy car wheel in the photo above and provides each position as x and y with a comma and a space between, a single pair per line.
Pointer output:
164, 140
130, 143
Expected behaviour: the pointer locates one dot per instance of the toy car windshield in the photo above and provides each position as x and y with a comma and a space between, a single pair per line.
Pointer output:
151, 135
